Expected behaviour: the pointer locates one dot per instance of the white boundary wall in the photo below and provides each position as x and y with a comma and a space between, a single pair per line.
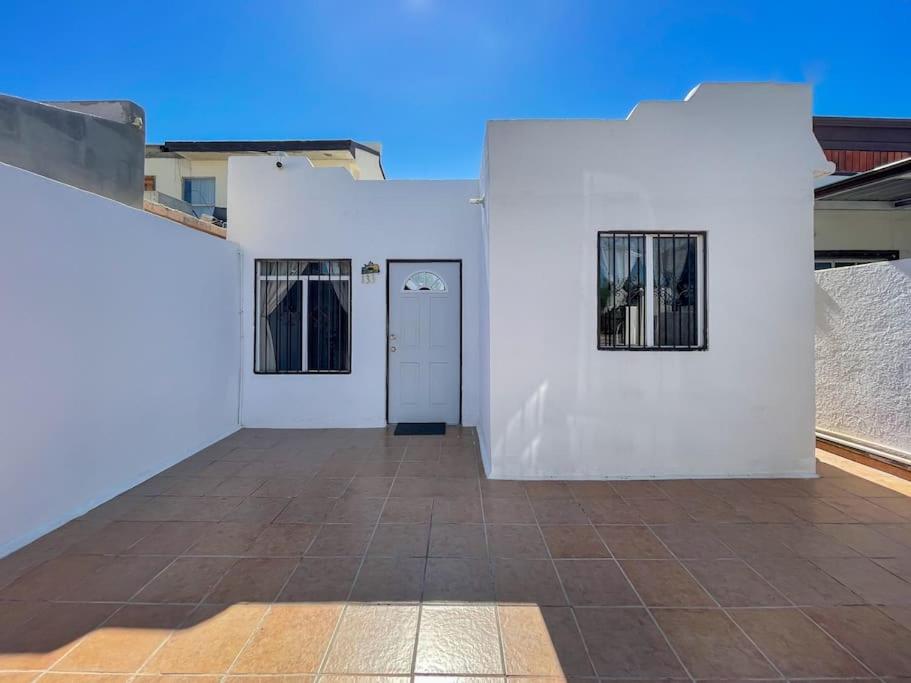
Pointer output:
120, 349
863, 353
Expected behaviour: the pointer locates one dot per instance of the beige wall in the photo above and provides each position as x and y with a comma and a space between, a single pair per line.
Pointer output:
169, 174
368, 166
872, 229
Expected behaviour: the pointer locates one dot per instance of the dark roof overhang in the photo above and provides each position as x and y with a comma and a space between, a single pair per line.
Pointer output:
889, 183
863, 134
265, 146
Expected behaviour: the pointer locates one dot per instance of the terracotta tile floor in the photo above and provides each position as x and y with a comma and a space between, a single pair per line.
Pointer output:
353, 553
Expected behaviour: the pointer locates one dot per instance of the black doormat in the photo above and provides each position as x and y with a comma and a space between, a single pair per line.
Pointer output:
420, 429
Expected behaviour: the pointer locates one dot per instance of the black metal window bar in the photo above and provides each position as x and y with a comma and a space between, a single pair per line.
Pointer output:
303, 316
651, 291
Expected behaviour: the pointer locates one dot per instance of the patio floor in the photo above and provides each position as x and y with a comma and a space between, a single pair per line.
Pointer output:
338, 553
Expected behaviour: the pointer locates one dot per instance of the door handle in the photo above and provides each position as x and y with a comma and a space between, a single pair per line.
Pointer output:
392, 349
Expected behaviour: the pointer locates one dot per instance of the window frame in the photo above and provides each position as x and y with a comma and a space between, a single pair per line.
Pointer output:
702, 281
304, 347
843, 258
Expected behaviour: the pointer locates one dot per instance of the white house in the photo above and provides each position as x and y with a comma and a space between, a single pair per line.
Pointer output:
610, 299
613, 298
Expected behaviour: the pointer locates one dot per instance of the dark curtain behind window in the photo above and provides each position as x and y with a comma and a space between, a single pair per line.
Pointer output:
675, 291
327, 329
285, 325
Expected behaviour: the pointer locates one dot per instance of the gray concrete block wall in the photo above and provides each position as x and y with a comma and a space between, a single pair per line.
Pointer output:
101, 154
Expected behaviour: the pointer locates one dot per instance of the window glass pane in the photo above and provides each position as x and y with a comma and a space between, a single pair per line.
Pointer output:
327, 330
675, 291
621, 278
200, 192
302, 312
425, 281
280, 325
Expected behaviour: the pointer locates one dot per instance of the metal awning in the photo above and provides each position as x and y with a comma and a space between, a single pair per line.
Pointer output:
889, 183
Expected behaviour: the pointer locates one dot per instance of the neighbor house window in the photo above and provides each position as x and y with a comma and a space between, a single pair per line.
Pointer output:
823, 260
149, 183
651, 291
303, 316
200, 192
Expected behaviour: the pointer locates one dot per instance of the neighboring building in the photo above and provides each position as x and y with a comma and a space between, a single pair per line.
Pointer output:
861, 214
858, 144
95, 146
193, 176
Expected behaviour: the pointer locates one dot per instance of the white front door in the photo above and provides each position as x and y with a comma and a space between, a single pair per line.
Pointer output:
424, 345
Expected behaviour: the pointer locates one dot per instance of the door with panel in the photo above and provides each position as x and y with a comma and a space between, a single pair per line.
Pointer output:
424, 342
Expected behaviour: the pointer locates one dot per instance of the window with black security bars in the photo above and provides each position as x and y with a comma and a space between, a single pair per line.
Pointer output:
651, 291
303, 316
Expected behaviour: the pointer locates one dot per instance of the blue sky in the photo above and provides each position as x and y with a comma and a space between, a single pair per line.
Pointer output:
423, 76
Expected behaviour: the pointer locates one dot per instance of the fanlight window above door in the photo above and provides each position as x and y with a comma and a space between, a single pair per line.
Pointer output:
424, 281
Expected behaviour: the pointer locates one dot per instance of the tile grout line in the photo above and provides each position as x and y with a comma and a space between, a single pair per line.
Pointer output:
417, 632
791, 604
628, 581
264, 615
802, 608
170, 635
491, 573
79, 641
553, 565
835, 640
188, 616
346, 603
717, 603
268, 610
147, 583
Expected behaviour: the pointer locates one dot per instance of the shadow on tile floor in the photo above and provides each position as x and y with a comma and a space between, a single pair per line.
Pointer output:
353, 553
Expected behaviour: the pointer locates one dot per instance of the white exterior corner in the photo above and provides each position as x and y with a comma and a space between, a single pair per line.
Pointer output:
561, 409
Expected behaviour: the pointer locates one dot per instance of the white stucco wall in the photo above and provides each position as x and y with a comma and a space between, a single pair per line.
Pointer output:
871, 226
734, 160
863, 353
302, 212
120, 349
484, 317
